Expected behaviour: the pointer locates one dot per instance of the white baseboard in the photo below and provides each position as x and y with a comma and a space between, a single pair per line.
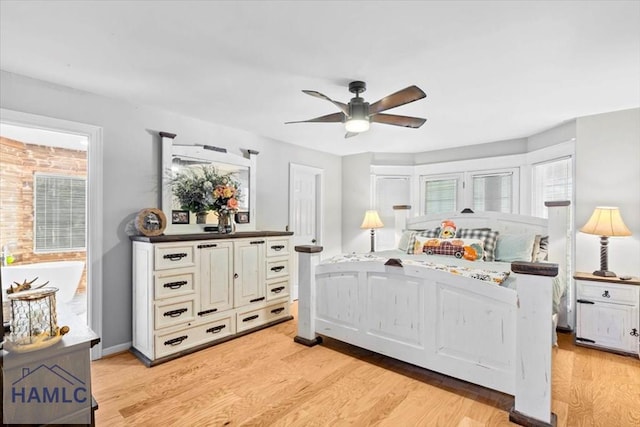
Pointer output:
116, 349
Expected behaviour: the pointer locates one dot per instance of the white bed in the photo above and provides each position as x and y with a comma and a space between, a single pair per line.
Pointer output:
498, 337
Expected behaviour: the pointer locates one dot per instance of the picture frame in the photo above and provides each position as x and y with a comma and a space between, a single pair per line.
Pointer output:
242, 218
179, 217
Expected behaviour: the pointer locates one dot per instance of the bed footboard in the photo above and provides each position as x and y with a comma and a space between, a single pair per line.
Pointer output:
465, 328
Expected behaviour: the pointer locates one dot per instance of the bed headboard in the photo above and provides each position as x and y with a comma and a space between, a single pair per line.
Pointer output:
503, 222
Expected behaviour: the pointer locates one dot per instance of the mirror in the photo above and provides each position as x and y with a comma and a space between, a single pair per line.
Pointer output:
177, 158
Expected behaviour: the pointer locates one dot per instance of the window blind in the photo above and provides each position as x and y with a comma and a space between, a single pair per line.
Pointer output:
440, 196
492, 192
552, 181
60, 213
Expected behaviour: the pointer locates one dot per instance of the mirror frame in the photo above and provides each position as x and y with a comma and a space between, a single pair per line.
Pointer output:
205, 154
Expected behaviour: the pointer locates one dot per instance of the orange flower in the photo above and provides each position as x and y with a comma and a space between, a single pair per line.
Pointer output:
232, 203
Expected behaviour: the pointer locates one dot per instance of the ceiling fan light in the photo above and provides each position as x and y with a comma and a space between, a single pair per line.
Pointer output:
357, 125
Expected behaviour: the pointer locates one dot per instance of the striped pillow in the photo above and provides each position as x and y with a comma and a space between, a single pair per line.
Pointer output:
489, 236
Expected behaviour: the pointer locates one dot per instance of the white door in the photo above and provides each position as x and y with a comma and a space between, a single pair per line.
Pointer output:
305, 214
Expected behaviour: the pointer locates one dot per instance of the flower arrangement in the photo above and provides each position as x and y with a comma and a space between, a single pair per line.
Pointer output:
204, 188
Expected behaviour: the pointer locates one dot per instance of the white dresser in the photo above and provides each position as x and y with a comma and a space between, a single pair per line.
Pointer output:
196, 290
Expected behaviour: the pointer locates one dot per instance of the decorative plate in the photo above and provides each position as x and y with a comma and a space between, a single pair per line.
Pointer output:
151, 222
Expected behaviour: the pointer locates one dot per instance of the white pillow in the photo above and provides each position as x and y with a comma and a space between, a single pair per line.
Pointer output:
515, 247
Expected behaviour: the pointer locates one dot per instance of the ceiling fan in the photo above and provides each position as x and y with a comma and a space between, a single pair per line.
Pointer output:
358, 114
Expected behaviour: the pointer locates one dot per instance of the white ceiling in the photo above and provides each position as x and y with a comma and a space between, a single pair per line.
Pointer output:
491, 70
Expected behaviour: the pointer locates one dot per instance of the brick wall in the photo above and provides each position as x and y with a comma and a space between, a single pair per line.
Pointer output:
18, 163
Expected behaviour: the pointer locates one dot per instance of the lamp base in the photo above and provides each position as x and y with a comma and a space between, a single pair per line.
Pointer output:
604, 273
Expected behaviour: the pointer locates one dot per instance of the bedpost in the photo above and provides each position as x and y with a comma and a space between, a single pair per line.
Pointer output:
560, 234
533, 344
308, 258
401, 213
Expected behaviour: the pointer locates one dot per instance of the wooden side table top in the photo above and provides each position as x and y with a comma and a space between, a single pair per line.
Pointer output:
591, 277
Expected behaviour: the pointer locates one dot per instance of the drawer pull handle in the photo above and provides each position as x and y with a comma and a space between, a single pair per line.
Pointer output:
208, 245
175, 257
256, 242
634, 332
584, 301
202, 313
277, 290
216, 329
175, 313
176, 341
277, 310
256, 299
606, 294
585, 340
175, 285
277, 268
277, 247
250, 318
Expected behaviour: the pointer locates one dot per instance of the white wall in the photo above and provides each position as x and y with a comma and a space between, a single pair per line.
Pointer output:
356, 199
608, 174
131, 163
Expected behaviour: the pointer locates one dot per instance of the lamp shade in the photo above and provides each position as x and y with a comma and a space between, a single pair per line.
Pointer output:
371, 220
606, 221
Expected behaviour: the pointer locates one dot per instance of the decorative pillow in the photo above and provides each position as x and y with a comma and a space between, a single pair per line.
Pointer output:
541, 251
489, 236
469, 249
420, 233
514, 247
447, 229
403, 243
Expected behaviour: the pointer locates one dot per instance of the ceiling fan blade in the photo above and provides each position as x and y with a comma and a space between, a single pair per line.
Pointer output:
350, 134
329, 118
392, 119
342, 106
404, 96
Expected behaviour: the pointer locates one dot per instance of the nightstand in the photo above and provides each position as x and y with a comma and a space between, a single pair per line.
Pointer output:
607, 313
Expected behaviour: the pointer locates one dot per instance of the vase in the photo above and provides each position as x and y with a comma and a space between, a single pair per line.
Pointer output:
201, 217
224, 223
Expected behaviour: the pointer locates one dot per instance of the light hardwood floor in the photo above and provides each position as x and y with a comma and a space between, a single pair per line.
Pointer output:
266, 379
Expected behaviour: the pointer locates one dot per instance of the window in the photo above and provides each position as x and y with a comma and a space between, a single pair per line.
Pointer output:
60, 213
552, 181
493, 192
440, 194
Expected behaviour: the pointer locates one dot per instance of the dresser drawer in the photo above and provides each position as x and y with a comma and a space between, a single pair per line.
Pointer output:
250, 319
277, 247
173, 256
169, 343
215, 330
171, 284
172, 313
277, 288
608, 292
277, 268
277, 311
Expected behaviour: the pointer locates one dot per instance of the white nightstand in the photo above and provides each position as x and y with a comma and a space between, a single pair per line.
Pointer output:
607, 313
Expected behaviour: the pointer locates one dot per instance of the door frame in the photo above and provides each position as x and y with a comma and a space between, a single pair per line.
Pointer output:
94, 204
319, 175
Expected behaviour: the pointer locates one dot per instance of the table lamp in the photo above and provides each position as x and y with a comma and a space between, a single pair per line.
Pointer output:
372, 220
605, 222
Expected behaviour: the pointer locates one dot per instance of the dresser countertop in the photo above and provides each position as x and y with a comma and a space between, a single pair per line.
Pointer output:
208, 236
